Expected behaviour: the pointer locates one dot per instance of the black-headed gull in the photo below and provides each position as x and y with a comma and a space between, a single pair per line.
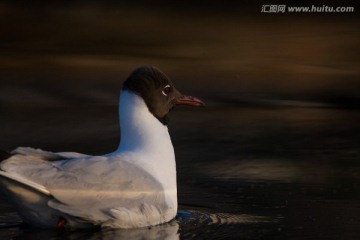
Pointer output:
135, 186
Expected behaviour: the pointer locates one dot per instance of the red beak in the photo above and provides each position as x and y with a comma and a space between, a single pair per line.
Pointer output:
189, 101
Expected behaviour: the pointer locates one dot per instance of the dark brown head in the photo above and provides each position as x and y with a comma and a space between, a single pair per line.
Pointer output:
158, 91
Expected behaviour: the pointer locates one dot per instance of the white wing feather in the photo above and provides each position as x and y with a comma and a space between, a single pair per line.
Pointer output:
114, 194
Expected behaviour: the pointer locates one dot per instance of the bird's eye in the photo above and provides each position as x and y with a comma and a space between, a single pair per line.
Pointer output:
166, 90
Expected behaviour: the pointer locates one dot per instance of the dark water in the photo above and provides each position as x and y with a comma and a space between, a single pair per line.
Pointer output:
243, 173
274, 155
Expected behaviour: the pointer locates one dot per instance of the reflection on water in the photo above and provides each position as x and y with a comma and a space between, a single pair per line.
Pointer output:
189, 224
164, 231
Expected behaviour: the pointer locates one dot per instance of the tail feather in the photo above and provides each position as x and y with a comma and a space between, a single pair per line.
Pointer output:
23, 181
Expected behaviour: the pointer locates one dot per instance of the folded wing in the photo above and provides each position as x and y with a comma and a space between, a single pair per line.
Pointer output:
99, 190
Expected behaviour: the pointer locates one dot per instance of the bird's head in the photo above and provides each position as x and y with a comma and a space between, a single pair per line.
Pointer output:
158, 91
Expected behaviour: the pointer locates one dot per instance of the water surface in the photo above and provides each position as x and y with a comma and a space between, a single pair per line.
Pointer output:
243, 173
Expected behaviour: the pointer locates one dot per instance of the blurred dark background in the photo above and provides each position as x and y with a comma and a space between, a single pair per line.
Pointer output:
228, 51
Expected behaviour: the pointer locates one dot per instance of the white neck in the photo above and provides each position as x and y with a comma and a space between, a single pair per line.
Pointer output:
140, 130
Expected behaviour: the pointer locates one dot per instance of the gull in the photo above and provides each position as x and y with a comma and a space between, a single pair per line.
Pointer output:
132, 187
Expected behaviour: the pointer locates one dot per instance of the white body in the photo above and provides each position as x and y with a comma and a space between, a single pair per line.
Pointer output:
132, 187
